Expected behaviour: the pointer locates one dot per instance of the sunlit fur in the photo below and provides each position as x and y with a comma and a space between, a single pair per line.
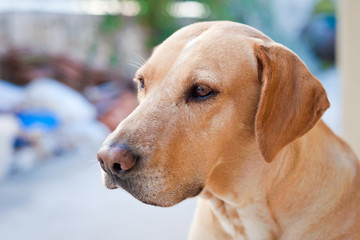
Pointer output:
266, 166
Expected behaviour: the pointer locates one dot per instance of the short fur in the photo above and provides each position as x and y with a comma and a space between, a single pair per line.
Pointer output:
266, 166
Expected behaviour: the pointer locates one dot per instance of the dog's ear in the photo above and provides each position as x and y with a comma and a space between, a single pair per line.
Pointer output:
292, 100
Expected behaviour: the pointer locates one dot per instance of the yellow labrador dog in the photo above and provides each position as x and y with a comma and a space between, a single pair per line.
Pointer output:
228, 114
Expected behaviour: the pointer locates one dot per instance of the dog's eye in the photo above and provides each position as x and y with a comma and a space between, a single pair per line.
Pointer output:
141, 83
201, 92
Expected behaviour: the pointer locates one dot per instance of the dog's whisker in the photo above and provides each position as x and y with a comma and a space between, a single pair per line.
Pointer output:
93, 167
134, 64
135, 61
141, 59
106, 131
93, 161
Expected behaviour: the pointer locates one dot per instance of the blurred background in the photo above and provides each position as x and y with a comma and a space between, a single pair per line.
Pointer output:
65, 83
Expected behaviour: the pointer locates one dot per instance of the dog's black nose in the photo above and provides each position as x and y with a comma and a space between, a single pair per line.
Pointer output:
116, 159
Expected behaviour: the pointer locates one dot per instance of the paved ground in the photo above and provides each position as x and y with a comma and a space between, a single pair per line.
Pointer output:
66, 200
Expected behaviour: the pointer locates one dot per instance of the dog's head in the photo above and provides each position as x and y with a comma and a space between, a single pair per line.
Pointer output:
207, 93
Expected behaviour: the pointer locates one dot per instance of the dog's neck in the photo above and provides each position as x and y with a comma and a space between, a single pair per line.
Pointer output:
256, 199
236, 191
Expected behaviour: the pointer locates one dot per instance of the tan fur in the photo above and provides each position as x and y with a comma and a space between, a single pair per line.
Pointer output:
267, 168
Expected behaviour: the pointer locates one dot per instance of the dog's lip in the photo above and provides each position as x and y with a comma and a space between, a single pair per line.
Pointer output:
121, 173
111, 186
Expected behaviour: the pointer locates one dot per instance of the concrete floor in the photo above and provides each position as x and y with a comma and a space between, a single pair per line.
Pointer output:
65, 199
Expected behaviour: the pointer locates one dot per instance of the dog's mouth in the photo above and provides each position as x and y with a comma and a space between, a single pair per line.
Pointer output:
152, 188
109, 181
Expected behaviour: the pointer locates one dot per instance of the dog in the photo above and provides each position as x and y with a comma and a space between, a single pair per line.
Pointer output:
228, 114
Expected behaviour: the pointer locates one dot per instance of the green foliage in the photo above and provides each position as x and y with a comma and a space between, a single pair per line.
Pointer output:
154, 17
325, 6
110, 24
224, 9
158, 24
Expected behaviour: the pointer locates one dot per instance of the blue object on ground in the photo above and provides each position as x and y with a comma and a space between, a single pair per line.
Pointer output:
38, 118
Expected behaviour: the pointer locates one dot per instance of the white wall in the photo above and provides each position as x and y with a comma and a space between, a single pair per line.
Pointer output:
349, 65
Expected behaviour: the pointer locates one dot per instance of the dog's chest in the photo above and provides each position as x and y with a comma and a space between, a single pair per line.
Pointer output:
252, 222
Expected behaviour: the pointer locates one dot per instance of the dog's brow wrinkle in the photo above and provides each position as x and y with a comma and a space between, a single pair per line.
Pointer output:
204, 75
193, 41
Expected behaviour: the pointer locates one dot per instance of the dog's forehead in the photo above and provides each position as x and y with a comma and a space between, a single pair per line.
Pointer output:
202, 46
